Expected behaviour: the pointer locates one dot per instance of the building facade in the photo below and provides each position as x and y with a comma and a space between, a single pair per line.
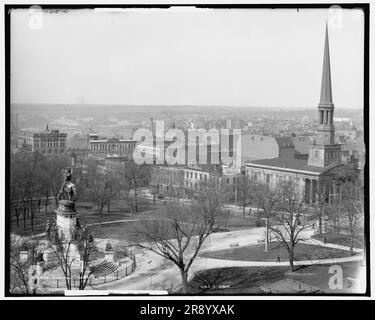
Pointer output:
46, 142
112, 146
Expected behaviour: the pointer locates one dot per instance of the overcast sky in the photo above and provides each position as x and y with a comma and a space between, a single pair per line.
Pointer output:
204, 57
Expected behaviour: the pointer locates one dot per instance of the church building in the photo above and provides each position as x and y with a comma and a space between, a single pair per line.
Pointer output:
319, 173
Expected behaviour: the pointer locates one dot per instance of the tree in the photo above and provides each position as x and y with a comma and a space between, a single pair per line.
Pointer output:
87, 250
26, 184
19, 267
62, 250
246, 190
289, 218
102, 187
54, 166
134, 175
267, 199
178, 233
321, 204
351, 208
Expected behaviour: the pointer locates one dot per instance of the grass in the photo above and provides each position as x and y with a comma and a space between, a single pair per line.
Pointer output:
341, 239
119, 231
276, 249
87, 212
245, 280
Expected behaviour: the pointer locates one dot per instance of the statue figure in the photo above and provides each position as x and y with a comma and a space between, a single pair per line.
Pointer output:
68, 189
51, 231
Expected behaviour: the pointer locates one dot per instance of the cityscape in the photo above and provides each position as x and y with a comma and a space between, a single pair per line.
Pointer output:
189, 199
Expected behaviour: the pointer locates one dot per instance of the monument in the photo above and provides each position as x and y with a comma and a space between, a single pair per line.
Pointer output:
66, 213
66, 229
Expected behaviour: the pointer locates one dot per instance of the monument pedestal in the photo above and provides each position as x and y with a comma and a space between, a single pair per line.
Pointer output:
66, 220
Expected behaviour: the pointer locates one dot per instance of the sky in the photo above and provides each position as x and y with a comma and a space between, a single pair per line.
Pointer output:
237, 57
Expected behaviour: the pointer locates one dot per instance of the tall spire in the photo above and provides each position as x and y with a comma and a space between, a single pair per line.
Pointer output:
326, 89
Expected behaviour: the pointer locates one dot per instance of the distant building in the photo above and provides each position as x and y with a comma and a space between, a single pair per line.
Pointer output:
168, 180
78, 142
47, 142
114, 163
195, 175
112, 146
255, 147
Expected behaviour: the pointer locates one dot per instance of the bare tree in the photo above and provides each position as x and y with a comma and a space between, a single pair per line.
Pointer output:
87, 250
351, 208
134, 176
102, 188
246, 190
289, 218
19, 267
268, 200
62, 251
178, 233
321, 204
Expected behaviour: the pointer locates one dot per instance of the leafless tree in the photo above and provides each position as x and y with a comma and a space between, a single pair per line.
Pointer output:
87, 250
102, 188
178, 233
267, 199
134, 175
19, 267
289, 219
62, 251
351, 208
321, 208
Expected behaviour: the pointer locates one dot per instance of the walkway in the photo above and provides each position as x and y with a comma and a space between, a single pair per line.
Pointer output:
154, 272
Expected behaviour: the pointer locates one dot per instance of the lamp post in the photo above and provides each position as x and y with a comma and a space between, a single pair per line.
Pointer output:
266, 235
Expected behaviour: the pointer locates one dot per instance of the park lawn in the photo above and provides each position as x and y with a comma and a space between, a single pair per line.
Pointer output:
87, 213
245, 280
341, 239
123, 231
233, 223
256, 252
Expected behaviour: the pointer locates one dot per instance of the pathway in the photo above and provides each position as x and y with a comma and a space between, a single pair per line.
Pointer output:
163, 274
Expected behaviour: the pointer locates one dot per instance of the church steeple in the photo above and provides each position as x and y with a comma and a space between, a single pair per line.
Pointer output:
326, 88
325, 132
324, 151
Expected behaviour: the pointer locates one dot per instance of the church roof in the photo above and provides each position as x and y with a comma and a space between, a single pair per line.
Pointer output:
326, 88
290, 165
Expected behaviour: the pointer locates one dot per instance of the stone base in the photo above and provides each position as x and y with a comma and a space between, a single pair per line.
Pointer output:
51, 259
74, 255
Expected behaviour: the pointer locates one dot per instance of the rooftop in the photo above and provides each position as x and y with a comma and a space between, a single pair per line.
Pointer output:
289, 164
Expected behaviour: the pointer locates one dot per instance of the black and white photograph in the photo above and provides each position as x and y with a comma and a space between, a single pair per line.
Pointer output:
187, 150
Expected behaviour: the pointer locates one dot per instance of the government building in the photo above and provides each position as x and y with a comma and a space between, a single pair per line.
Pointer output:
47, 142
319, 173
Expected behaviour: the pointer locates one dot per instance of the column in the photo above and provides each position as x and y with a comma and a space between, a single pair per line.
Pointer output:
307, 190
311, 191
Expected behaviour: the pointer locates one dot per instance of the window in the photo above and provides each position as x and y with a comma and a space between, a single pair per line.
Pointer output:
196, 175
268, 178
227, 180
200, 176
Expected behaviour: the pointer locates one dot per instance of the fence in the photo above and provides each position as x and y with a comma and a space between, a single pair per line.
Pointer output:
116, 275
